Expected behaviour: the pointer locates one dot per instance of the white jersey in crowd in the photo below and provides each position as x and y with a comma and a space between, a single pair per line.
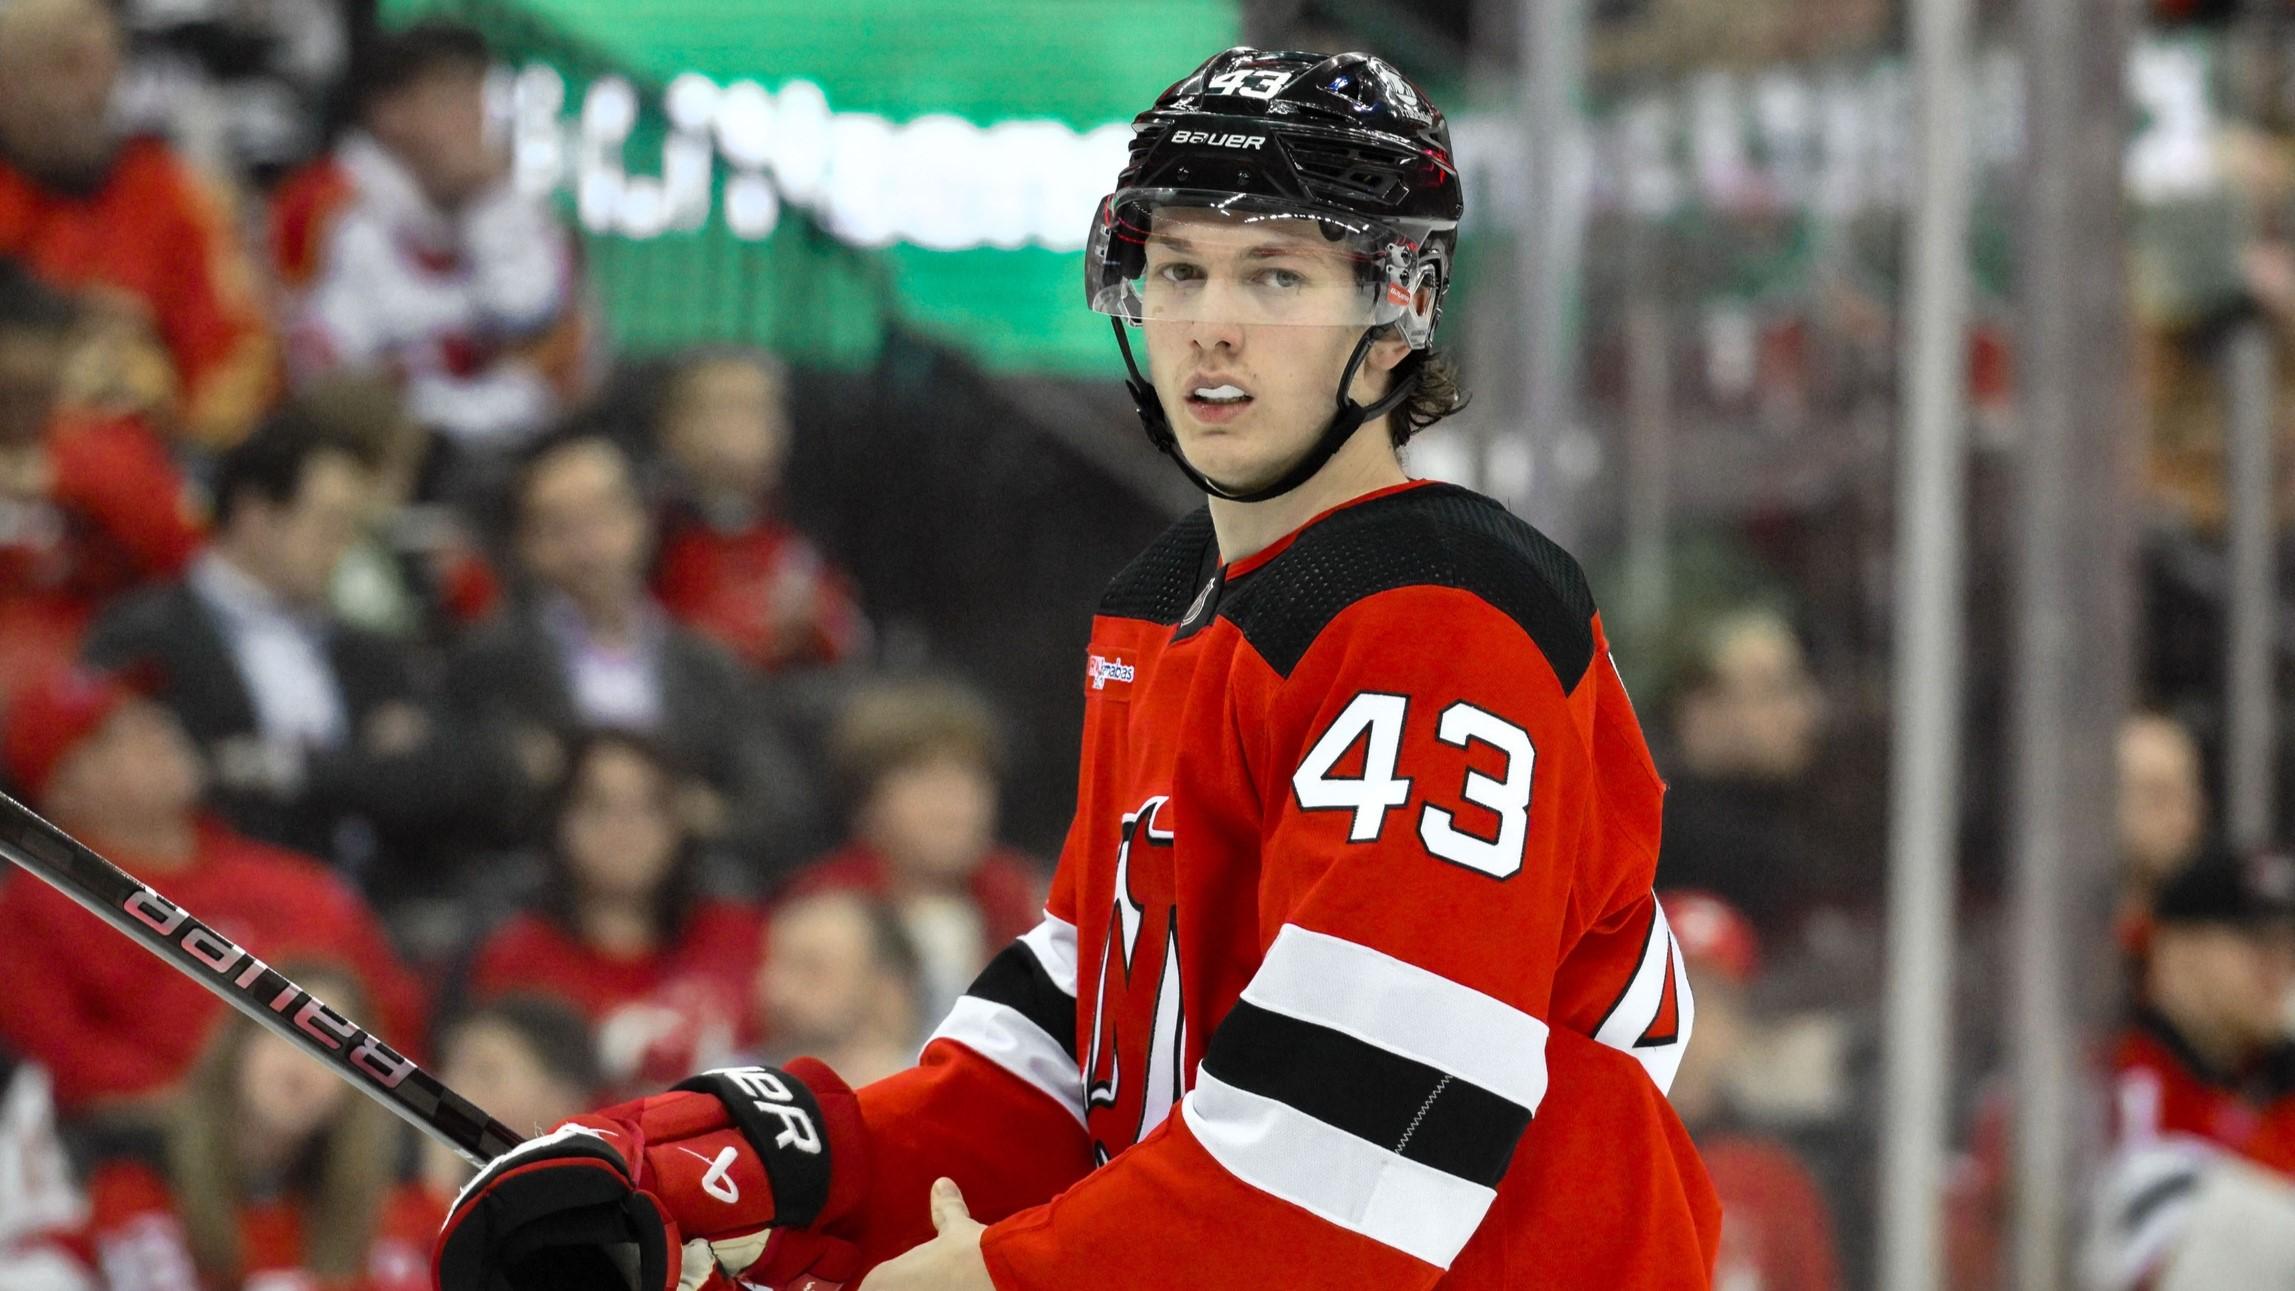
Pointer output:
452, 303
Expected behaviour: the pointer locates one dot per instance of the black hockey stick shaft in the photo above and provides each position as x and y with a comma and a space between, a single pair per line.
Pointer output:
249, 985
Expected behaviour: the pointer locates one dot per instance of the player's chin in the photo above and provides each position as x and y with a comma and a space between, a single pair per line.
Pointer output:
1238, 467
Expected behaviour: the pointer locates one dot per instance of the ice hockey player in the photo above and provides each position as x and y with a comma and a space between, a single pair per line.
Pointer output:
1351, 974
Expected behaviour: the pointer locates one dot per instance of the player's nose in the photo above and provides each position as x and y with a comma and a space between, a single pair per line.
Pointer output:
1210, 334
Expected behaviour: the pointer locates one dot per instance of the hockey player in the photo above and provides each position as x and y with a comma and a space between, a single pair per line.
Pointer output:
1351, 973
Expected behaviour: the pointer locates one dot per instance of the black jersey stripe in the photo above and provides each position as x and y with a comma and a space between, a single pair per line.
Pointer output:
1414, 1110
1019, 981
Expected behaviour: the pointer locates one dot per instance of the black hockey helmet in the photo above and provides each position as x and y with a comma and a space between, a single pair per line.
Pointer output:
1344, 140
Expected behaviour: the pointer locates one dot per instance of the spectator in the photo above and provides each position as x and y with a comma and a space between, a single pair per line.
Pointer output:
590, 647
115, 770
2202, 1076
920, 762
90, 506
417, 573
730, 567
528, 1061
271, 1170
410, 249
317, 733
2163, 814
40, 1202
1746, 722
839, 982
1776, 1231
126, 224
244, 89
619, 931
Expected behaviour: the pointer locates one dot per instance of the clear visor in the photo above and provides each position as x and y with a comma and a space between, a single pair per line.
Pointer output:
1175, 256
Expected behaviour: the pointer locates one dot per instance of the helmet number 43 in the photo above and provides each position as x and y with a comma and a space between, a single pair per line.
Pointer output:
1251, 82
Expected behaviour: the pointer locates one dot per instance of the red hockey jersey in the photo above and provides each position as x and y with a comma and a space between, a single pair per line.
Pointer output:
1351, 973
2174, 1116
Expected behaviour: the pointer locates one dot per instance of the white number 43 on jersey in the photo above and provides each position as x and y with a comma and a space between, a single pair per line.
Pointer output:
1377, 720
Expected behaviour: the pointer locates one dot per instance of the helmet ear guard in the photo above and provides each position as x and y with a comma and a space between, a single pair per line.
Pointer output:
1422, 301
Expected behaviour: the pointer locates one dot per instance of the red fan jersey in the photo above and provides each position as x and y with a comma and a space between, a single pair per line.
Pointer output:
2174, 1117
1351, 973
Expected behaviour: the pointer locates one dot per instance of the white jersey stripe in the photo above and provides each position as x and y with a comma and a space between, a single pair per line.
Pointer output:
1404, 1009
1638, 1008
1361, 1187
1005, 1036
1053, 942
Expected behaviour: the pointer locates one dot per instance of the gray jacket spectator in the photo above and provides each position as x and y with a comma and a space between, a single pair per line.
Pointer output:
317, 735
589, 647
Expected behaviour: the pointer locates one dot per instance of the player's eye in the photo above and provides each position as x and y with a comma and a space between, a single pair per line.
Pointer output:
1177, 271
1281, 279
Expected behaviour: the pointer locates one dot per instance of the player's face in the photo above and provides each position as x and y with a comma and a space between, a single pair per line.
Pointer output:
1249, 326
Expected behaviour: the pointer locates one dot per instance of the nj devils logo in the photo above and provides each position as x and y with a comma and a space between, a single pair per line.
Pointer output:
1132, 1076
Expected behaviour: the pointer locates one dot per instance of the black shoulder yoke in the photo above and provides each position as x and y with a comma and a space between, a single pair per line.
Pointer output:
1163, 581
1436, 535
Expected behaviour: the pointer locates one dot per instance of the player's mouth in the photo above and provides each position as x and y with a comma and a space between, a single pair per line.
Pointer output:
1215, 403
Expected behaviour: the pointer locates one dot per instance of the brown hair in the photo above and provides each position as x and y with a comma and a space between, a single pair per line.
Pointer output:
1440, 393
898, 724
342, 1178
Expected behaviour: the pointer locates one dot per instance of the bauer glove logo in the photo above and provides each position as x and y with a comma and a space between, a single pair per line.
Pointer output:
771, 1095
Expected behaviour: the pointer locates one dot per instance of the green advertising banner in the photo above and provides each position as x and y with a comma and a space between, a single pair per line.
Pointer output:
806, 174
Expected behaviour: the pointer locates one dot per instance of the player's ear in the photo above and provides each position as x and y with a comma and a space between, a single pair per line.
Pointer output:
1373, 379
1386, 352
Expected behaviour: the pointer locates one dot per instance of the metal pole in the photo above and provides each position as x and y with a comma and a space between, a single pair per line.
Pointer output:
1551, 133
2253, 735
1649, 432
2074, 567
1932, 505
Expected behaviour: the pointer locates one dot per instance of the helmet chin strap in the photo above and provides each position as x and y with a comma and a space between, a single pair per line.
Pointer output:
1349, 418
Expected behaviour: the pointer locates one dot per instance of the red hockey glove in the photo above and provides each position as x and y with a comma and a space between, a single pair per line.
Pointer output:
665, 1193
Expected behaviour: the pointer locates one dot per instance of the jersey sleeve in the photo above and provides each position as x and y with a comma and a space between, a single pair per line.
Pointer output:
1432, 835
996, 1102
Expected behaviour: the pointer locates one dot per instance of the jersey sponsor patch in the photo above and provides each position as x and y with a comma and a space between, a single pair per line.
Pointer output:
1109, 674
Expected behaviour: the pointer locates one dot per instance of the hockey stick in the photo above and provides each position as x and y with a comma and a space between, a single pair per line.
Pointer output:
249, 985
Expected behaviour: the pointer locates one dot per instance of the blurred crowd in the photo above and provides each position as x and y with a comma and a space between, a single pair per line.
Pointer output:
1752, 265
335, 605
